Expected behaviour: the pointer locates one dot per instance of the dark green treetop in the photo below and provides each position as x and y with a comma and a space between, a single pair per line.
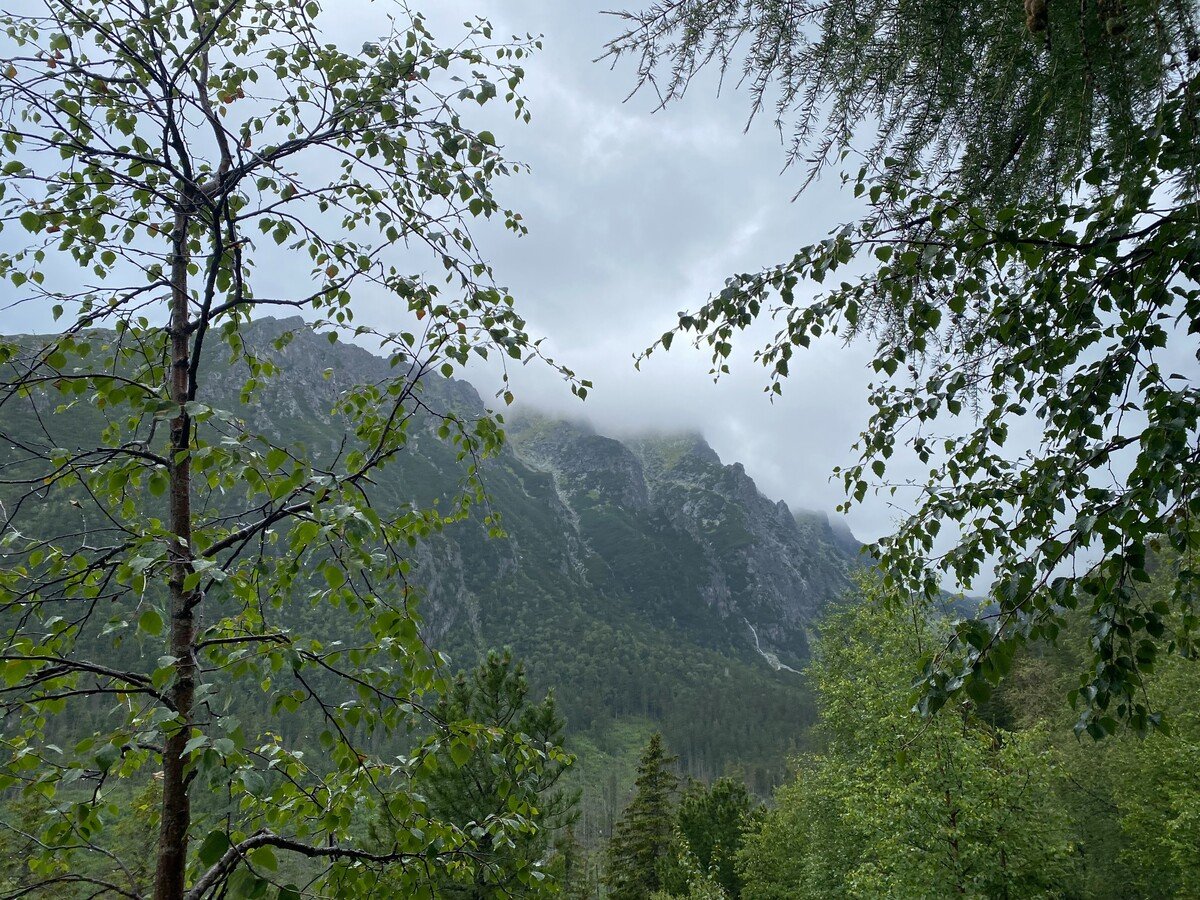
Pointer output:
642, 837
712, 821
492, 781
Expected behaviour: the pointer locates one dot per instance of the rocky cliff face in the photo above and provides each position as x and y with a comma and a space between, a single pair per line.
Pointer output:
644, 579
759, 568
656, 525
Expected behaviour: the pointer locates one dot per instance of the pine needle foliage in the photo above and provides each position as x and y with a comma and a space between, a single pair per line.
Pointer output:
643, 837
1006, 98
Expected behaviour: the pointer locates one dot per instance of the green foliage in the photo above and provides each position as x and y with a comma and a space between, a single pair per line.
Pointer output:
711, 825
642, 839
1156, 791
131, 818
896, 806
155, 154
1131, 800
693, 881
473, 786
1072, 309
1008, 100
577, 869
651, 660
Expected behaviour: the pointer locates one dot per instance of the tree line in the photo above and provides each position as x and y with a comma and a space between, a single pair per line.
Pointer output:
991, 799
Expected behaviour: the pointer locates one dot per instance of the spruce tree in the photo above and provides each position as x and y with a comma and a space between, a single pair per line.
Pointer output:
713, 820
642, 838
480, 789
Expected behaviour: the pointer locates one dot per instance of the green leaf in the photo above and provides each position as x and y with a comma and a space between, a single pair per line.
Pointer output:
334, 576
978, 689
195, 743
460, 752
15, 670
224, 746
107, 756
264, 858
305, 533
213, 847
254, 783
151, 622
158, 482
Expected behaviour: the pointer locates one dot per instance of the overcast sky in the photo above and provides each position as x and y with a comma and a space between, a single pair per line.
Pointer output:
634, 215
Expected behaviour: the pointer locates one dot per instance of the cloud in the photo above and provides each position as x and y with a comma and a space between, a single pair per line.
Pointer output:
635, 214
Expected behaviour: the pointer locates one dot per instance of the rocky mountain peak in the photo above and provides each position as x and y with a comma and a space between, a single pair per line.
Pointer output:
582, 462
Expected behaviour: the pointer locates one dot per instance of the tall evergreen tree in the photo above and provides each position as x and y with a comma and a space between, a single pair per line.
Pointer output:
477, 789
576, 869
686, 878
643, 836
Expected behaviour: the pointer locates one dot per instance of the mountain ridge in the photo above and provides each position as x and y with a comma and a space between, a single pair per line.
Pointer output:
762, 563
644, 579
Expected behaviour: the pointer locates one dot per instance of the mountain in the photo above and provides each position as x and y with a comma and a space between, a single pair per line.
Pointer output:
646, 581
689, 539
